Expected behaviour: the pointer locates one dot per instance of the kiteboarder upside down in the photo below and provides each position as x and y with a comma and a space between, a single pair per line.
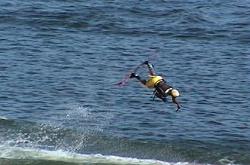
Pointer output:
162, 89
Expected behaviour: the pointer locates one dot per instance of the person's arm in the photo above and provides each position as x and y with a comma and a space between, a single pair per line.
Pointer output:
150, 68
174, 101
133, 75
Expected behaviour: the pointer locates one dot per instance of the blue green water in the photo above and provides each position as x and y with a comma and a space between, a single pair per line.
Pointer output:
59, 61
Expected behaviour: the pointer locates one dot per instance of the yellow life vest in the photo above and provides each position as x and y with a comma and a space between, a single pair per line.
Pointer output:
153, 80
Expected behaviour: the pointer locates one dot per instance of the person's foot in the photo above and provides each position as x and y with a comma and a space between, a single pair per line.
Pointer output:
133, 75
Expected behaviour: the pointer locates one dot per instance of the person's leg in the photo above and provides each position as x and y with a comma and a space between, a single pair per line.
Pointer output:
160, 96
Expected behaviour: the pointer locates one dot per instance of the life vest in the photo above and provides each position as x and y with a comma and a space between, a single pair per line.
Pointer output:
153, 81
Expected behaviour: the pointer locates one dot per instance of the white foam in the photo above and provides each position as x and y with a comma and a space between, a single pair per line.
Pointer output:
3, 118
59, 155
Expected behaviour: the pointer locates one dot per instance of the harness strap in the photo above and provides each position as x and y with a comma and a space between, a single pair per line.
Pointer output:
169, 89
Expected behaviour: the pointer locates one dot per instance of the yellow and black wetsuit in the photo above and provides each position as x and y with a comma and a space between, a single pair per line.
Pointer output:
161, 88
153, 81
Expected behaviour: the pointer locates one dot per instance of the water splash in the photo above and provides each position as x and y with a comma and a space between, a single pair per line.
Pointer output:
62, 156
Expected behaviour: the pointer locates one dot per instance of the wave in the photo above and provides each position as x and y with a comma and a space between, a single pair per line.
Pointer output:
27, 141
30, 154
3, 118
169, 20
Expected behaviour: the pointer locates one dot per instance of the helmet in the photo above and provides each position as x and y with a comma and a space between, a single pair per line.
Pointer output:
175, 93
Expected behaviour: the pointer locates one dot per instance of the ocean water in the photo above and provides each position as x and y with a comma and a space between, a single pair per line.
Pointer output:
59, 61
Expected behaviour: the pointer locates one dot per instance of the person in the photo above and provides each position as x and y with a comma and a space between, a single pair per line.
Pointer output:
162, 89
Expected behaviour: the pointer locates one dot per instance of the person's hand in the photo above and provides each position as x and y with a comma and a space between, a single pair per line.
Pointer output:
178, 108
132, 75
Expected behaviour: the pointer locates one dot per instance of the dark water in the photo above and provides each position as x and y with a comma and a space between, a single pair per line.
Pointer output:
60, 59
